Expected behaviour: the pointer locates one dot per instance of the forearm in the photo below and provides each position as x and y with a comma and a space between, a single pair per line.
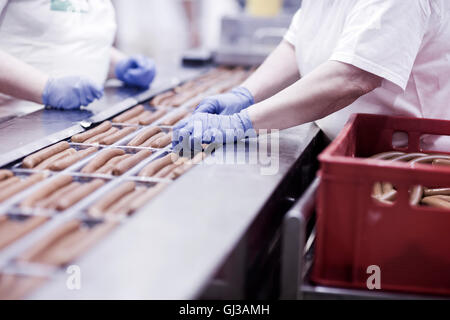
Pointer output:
116, 56
331, 87
275, 74
21, 80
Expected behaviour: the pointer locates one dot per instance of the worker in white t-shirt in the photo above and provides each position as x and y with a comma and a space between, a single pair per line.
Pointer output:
340, 57
59, 52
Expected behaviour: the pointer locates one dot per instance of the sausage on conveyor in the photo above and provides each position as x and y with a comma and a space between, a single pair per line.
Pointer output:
109, 166
9, 182
147, 196
5, 174
436, 201
150, 141
46, 164
134, 120
12, 230
177, 172
117, 136
143, 136
125, 165
36, 158
175, 117
66, 243
164, 172
99, 208
99, 137
46, 190
72, 159
133, 112
156, 101
22, 185
81, 137
163, 141
153, 167
436, 191
78, 194
429, 159
52, 201
101, 159
123, 206
146, 119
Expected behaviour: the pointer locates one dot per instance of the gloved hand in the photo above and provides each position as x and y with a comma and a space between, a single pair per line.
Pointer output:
136, 71
70, 92
228, 103
208, 128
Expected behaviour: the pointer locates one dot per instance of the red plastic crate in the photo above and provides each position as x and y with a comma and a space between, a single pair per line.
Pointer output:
410, 244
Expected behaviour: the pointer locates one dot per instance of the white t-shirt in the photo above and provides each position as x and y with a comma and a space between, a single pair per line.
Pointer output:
60, 37
406, 42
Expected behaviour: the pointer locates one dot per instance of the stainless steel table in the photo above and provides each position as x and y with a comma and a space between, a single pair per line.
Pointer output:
172, 248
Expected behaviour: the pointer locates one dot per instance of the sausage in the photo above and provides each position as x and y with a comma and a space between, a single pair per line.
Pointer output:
22, 185
125, 165
117, 136
66, 243
99, 208
408, 157
147, 196
429, 159
156, 165
162, 141
99, 137
435, 192
5, 174
144, 136
101, 159
177, 172
156, 101
9, 182
12, 230
164, 172
133, 112
435, 201
387, 155
70, 160
81, 137
76, 195
175, 117
134, 120
109, 166
146, 119
123, 205
51, 202
45, 165
36, 158
416, 195
46, 190
150, 141
441, 162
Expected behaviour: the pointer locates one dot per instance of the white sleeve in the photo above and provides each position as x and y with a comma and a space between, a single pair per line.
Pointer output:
291, 34
383, 37
3, 5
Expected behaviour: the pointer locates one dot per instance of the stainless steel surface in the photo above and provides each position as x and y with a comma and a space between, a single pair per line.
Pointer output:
171, 248
25, 133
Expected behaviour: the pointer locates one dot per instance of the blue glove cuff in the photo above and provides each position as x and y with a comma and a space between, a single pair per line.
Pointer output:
246, 93
46, 92
246, 123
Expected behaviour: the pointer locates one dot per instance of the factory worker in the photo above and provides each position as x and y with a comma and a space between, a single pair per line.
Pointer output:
339, 57
59, 52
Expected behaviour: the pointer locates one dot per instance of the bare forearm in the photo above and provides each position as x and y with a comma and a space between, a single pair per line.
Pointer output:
21, 80
116, 56
276, 73
331, 87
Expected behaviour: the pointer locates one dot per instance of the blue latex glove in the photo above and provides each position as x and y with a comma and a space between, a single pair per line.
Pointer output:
211, 128
136, 71
228, 103
70, 93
